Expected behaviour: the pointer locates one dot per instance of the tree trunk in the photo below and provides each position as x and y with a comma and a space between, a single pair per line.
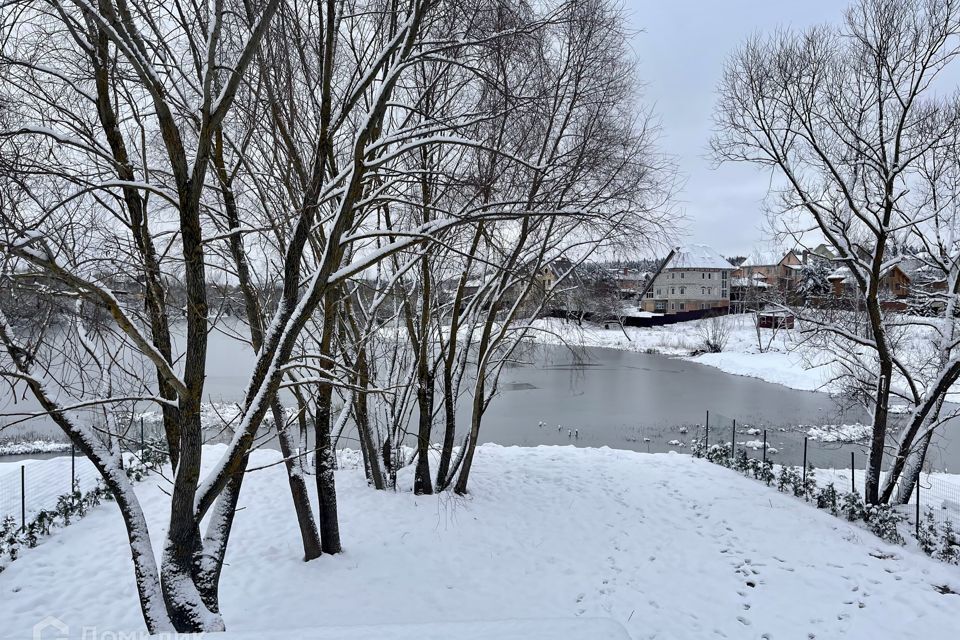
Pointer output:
911, 471
326, 482
309, 535
421, 483
871, 490
449, 432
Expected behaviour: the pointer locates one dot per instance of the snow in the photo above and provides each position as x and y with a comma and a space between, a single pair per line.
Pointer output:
666, 545
781, 362
840, 433
34, 446
698, 256
547, 629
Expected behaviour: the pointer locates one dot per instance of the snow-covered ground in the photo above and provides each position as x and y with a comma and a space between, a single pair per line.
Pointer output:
780, 361
667, 545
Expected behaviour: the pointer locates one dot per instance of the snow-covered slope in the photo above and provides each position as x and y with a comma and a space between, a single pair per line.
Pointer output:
667, 545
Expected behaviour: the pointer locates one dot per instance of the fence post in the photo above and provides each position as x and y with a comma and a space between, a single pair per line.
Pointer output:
764, 447
23, 497
733, 441
73, 468
853, 483
143, 443
804, 460
706, 438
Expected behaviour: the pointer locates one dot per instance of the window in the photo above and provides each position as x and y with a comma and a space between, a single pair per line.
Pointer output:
683, 290
710, 276
681, 275
649, 294
672, 290
703, 290
673, 306
723, 292
681, 306
673, 276
703, 305
658, 293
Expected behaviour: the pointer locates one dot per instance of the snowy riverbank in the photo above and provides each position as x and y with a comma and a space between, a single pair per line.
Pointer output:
667, 545
780, 362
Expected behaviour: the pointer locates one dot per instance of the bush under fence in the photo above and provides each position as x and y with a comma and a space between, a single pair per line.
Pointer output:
48, 494
932, 516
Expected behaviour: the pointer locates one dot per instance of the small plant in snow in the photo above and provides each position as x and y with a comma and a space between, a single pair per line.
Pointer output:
949, 550
697, 448
927, 533
827, 498
851, 506
719, 454
790, 478
766, 472
741, 462
810, 484
883, 520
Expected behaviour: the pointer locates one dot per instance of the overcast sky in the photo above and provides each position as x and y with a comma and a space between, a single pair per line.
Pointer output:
682, 48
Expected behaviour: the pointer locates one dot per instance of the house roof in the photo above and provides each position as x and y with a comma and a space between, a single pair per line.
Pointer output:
748, 282
698, 256
843, 273
765, 259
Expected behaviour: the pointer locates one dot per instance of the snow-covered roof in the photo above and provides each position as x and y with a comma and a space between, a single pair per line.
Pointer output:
698, 256
747, 282
765, 258
843, 273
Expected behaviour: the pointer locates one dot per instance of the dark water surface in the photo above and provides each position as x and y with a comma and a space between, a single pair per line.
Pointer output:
606, 397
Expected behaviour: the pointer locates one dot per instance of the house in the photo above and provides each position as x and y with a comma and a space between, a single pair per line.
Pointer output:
779, 271
629, 281
696, 278
894, 284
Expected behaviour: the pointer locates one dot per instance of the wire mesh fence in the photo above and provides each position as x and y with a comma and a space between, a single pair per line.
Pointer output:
934, 499
30, 486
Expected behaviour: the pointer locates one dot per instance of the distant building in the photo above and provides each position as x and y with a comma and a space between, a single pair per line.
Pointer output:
894, 284
629, 281
776, 271
697, 278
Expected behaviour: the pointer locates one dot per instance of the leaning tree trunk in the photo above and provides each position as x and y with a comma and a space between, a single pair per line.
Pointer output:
310, 538
911, 470
309, 535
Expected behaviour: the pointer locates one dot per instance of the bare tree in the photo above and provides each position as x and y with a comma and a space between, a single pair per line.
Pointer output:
842, 117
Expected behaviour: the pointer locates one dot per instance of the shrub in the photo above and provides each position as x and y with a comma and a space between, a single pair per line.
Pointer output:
827, 498
949, 548
883, 520
851, 506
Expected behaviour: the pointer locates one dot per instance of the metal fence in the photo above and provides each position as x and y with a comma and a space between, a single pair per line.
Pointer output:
841, 463
29, 486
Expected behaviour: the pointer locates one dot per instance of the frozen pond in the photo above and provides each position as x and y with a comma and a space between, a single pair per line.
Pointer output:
611, 398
